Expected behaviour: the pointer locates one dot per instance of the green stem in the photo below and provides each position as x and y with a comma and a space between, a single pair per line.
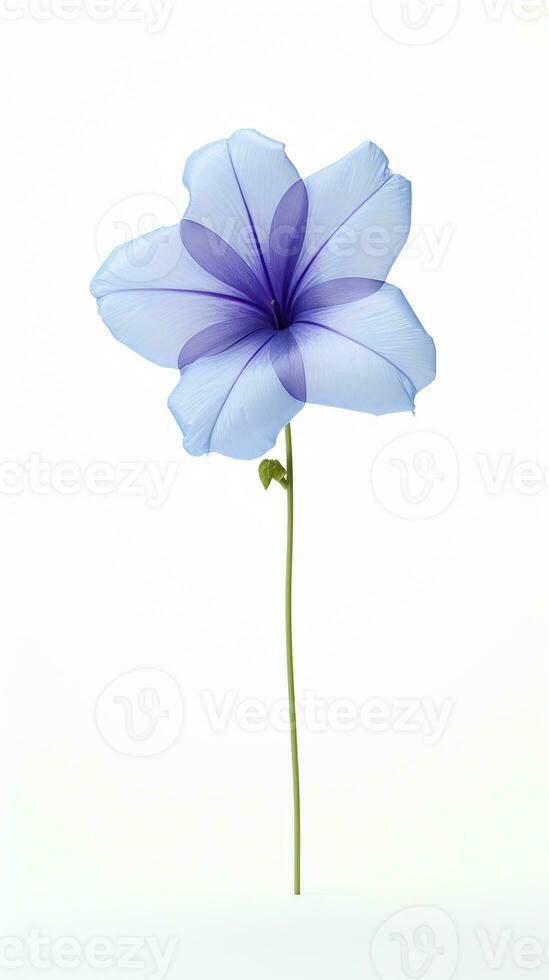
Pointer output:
290, 661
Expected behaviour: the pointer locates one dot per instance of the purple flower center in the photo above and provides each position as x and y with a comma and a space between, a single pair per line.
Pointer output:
271, 297
280, 319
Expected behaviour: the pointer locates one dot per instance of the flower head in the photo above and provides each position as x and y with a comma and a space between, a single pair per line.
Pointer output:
272, 292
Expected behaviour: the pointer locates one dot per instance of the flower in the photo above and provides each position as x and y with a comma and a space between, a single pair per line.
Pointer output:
272, 292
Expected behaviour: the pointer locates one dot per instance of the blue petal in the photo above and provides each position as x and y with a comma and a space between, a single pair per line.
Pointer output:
371, 356
359, 219
154, 297
233, 403
235, 187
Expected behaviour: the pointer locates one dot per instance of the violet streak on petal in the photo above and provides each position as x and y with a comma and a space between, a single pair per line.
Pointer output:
288, 364
219, 337
286, 238
335, 292
219, 259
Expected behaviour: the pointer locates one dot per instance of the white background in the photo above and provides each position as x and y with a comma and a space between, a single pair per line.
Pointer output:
407, 587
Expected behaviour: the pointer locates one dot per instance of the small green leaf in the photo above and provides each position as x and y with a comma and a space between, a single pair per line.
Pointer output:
269, 470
